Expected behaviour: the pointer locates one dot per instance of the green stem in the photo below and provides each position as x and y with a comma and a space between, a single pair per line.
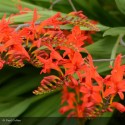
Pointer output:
105, 60
114, 50
72, 5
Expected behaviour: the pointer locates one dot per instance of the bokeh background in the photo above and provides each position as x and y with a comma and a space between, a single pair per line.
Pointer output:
16, 85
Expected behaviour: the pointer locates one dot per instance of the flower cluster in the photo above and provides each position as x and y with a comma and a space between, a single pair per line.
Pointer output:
84, 92
28, 43
90, 95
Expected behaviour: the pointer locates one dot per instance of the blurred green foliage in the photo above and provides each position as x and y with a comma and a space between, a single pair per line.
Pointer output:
16, 85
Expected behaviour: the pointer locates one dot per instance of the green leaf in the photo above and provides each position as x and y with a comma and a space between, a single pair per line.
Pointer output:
28, 16
16, 109
6, 72
114, 31
24, 83
115, 48
121, 5
102, 49
102, 27
7, 105
45, 107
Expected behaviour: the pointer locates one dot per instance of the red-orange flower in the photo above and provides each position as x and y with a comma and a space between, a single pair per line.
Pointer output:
76, 39
118, 106
115, 84
5, 30
76, 63
30, 33
68, 97
91, 87
48, 64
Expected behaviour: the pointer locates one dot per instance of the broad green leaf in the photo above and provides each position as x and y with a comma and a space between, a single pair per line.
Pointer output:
6, 8
45, 107
102, 27
7, 105
102, 49
24, 80
17, 109
16, 3
12, 7
16, 98
28, 16
40, 110
47, 14
114, 31
3, 13
30, 84
121, 5
115, 48
5, 74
